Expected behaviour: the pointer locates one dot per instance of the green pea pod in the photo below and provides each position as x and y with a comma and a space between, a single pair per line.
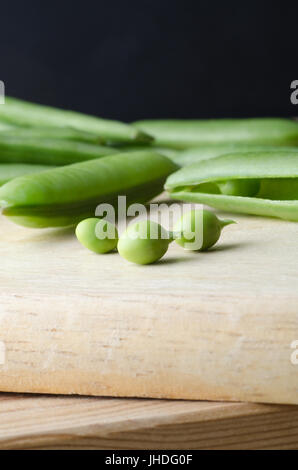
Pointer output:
206, 152
56, 152
168, 152
66, 195
9, 171
63, 133
191, 133
276, 172
22, 113
4, 127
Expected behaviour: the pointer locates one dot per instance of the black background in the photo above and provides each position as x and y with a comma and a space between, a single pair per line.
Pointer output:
128, 59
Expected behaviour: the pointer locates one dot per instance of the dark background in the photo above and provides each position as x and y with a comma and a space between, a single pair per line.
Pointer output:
128, 59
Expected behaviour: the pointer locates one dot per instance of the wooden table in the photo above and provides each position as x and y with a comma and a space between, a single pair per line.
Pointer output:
207, 326
47, 422
213, 326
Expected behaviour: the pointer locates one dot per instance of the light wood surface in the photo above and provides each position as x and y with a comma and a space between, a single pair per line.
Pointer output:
47, 422
215, 326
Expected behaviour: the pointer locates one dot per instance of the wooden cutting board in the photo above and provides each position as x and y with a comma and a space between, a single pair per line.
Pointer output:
215, 326
48, 422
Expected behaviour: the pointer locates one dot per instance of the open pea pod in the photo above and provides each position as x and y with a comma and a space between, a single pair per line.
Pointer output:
22, 113
49, 151
66, 195
182, 134
261, 183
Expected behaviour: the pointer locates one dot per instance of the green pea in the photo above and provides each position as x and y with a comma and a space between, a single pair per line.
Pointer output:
144, 242
199, 230
240, 187
97, 235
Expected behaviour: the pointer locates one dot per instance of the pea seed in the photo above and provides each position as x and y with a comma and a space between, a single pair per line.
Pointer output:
144, 242
199, 230
97, 235
240, 187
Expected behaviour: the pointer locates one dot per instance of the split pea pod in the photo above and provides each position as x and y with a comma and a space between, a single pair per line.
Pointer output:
182, 134
22, 113
66, 195
23, 149
274, 175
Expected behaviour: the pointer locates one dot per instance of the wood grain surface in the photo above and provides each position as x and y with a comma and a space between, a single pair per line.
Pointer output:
215, 326
47, 422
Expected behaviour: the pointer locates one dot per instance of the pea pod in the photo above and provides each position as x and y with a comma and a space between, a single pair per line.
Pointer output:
66, 195
63, 133
181, 134
276, 172
21, 149
206, 152
22, 113
4, 127
168, 152
9, 171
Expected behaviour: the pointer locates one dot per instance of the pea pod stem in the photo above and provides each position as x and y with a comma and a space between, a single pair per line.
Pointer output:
225, 222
